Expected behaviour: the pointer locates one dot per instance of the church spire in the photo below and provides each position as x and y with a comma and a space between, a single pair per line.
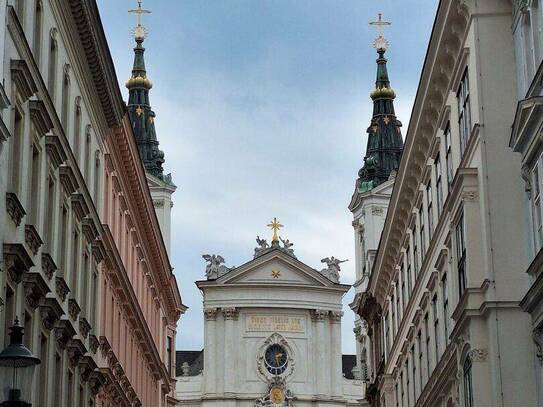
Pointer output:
385, 144
139, 109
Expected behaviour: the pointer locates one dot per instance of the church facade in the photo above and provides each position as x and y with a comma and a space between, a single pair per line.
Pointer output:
272, 335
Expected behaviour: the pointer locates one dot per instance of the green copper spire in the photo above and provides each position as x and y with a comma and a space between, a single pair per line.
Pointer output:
385, 143
139, 109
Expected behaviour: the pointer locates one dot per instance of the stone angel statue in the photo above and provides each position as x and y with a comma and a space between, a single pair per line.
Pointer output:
215, 267
287, 246
262, 246
333, 269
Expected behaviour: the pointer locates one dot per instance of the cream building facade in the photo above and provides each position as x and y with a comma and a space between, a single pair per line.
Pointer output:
272, 335
526, 140
56, 110
445, 325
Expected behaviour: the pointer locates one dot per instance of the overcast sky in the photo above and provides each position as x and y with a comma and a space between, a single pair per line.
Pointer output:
262, 107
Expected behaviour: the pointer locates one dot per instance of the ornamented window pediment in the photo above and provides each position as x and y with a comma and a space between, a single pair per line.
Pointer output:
21, 76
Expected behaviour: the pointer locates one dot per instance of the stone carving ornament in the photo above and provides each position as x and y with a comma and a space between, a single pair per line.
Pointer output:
478, 355
215, 267
333, 269
275, 339
263, 246
277, 395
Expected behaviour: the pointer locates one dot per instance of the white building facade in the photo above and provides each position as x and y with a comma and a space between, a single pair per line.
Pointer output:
272, 336
443, 299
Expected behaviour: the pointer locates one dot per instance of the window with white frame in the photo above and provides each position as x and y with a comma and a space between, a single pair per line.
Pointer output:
404, 293
461, 255
393, 314
439, 185
464, 112
401, 389
419, 346
408, 381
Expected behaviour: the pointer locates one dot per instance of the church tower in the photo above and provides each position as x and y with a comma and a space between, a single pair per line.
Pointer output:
374, 185
142, 118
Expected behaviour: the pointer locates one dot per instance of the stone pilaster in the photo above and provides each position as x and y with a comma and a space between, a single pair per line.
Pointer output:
335, 349
230, 315
210, 367
319, 316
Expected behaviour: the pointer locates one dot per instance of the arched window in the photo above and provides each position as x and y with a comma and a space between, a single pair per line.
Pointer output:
468, 383
38, 22
97, 177
77, 128
53, 55
65, 97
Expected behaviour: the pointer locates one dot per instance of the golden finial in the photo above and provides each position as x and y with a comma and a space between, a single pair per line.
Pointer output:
275, 226
139, 30
380, 42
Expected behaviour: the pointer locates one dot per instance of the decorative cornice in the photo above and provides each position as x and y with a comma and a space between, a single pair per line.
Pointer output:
35, 289
55, 150
76, 350
14, 208
95, 47
50, 312
84, 327
98, 250
32, 238
61, 288
89, 229
73, 309
230, 313
21, 76
17, 261
40, 117
335, 316
68, 179
210, 314
79, 206
318, 315
94, 343
478, 355
64, 331
48, 265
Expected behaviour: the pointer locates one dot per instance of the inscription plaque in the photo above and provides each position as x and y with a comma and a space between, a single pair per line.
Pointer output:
279, 323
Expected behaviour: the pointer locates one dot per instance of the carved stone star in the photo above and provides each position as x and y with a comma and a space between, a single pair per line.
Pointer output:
276, 273
386, 120
139, 110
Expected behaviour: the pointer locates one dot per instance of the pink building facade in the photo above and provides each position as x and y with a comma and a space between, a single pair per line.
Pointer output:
140, 302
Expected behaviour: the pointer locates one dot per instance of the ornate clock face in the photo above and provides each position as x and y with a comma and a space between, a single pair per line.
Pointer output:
276, 359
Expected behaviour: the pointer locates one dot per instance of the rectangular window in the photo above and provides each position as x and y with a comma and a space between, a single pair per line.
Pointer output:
18, 139
70, 389
169, 347
34, 193
75, 263
404, 293
537, 215
409, 279
419, 347
401, 389
393, 315
415, 252
429, 210
408, 382
63, 239
464, 112
58, 377
387, 334
468, 384
436, 327
445, 295
43, 370
398, 306
448, 155
422, 237
49, 220
397, 395
439, 186
427, 331
461, 255
414, 375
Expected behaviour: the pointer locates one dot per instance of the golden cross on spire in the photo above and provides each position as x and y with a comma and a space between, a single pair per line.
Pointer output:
139, 30
275, 226
380, 42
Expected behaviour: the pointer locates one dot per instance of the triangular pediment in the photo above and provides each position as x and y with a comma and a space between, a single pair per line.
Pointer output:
275, 268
